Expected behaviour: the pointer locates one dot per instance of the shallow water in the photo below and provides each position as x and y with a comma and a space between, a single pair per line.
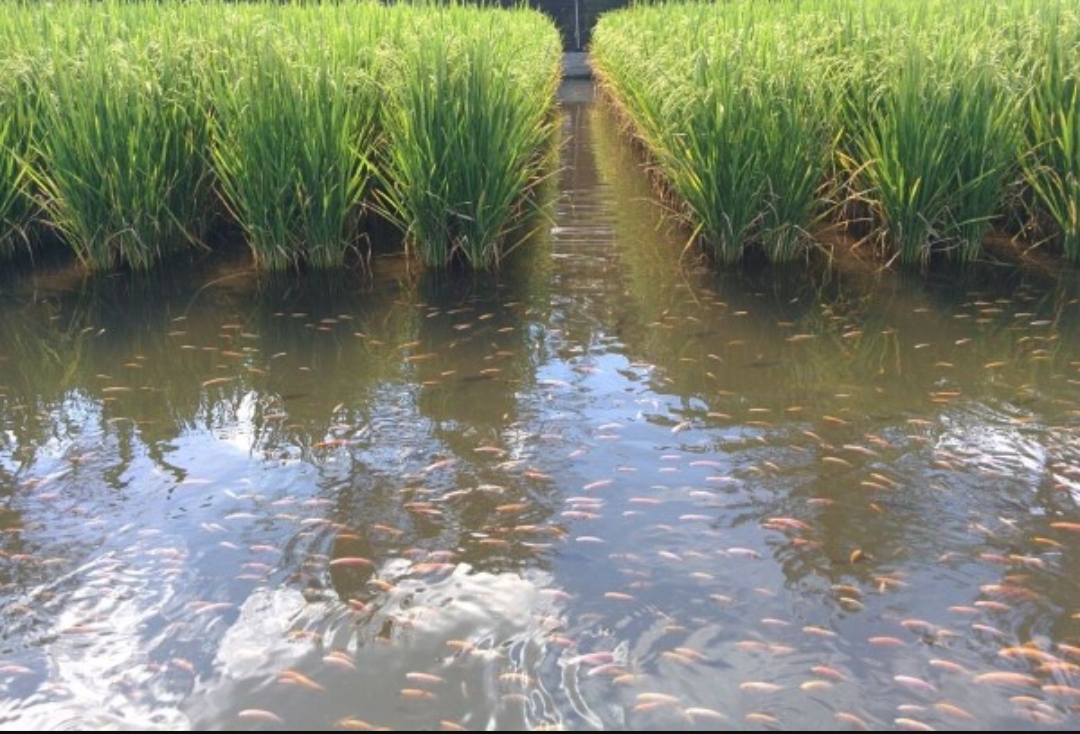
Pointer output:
612, 489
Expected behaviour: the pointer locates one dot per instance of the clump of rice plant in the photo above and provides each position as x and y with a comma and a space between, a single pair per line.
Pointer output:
11, 176
139, 119
932, 152
1052, 160
293, 136
120, 154
17, 123
468, 121
747, 158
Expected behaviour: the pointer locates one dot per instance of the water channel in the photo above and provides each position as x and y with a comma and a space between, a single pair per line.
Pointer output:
611, 488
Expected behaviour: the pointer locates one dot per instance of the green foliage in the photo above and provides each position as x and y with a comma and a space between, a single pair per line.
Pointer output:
11, 173
468, 122
18, 119
120, 155
1052, 160
293, 139
765, 117
739, 131
935, 150
123, 125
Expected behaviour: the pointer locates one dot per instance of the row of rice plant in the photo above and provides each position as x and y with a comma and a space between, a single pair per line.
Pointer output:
137, 129
925, 117
734, 123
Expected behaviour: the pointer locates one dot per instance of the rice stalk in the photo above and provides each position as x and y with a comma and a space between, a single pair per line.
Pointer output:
13, 207
18, 122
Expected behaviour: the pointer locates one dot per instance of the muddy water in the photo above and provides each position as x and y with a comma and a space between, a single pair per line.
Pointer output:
611, 489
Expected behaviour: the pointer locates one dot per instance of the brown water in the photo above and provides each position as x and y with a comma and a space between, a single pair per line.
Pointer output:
612, 490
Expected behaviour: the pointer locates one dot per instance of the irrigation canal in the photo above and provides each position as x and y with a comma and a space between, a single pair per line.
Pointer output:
613, 489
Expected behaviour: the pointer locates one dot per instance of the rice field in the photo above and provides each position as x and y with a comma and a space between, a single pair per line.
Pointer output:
134, 130
922, 126
596, 497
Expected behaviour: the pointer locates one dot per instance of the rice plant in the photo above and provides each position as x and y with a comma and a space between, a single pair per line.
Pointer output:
140, 119
468, 122
933, 152
120, 155
11, 176
738, 133
18, 120
763, 118
292, 145
1052, 157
